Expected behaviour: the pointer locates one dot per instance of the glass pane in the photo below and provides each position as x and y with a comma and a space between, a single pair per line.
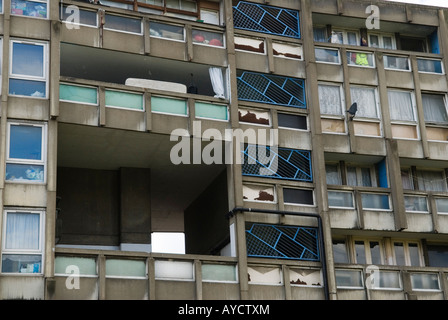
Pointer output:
287, 50
352, 179
327, 55
168, 105
258, 193
330, 100
426, 65
21, 263
360, 252
398, 63
123, 24
320, 34
414, 254
348, 278
425, 281
375, 252
400, 105
387, 280
25, 142
68, 265
429, 180
437, 255
442, 205
375, 201
27, 59
166, 31
366, 99
28, 88
68, 92
366, 180
125, 268
209, 110
387, 42
434, 108
292, 121
298, 196
22, 231
332, 172
85, 17
361, 59
374, 41
340, 251
340, 199
124, 100
416, 203
352, 38
29, 8
249, 44
206, 37
173, 270
24, 172
399, 254
218, 272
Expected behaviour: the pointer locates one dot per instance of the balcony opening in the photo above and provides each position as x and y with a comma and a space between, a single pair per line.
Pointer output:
143, 71
117, 195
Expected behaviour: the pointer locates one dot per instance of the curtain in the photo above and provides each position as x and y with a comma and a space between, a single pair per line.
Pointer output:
431, 180
320, 34
333, 176
330, 100
434, 108
22, 231
366, 100
217, 82
400, 105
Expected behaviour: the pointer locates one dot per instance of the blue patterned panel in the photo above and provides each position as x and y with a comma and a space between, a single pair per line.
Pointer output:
266, 19
271, 89
275, 162
282, 242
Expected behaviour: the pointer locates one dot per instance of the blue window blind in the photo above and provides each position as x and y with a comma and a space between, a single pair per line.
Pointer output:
266, 19
271, 89
274, 162
282, 242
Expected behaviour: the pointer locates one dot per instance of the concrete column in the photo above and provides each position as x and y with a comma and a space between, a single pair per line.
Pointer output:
318, 159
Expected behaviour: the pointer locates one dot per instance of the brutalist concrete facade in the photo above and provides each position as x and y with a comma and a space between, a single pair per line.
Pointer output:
99, 97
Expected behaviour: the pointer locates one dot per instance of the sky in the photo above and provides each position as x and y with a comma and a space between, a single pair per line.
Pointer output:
437, 3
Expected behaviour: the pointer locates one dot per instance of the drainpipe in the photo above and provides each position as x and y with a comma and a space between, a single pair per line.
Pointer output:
320, 231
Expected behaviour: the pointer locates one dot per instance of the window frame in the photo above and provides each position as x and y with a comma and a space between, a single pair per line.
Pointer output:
381, 40
445, 102
124, 31
62, 10
397, 69
373, 66
335, 117
45, 67
47, 2
442, 67
39, 251
413, 123
407, 255
344, 33
367, 251
358, 173
42, 162
338, 63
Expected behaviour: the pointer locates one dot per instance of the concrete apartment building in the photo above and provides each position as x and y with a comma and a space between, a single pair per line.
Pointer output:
99, 99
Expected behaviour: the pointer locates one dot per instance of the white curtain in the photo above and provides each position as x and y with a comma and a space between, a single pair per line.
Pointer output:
22, 230
366, 100
330, 100
217, 82
434, 108
431, 180
400, 106
333, 176
320, 34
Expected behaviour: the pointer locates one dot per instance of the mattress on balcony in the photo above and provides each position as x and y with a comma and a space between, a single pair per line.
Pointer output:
157, 85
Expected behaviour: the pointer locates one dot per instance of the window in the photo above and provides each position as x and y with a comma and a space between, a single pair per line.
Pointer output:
425, 281
166, 31
286, 50
434, 108
340, 199
331, 100
383, 41
413, 44
349, 37
26, 152
385, 280
123, 99
32, 8
416, 204
86, 17
254, 116
360, 59
407, 253
442, 205
298, 196
403, 114
437, 254
430, 65
369, 252
28, 69
361, 176
258, 193
292, 121
397, 63
22, 241
349, 279
367, 102
320, 34
431, 180
213, 39
327, 55
124, 24
254, 45
375, 201
333, 174
340, 253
